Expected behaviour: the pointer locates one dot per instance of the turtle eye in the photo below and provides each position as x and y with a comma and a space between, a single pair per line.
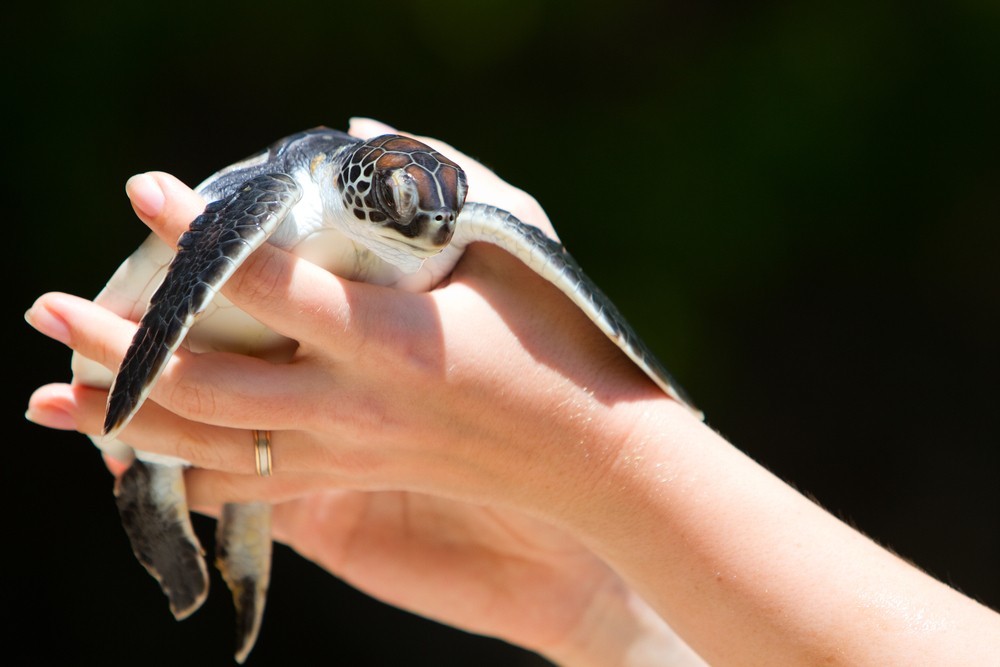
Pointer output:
399, 196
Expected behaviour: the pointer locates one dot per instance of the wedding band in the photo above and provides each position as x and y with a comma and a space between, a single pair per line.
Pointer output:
262, 448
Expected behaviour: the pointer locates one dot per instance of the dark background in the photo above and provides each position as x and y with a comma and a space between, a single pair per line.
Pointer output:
797, 206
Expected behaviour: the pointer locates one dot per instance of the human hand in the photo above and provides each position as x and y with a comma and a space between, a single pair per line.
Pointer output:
438, 538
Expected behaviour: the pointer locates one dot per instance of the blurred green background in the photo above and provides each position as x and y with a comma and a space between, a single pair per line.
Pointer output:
797, 206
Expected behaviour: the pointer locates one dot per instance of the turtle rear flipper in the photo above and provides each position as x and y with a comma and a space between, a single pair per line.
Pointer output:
243, 555
154, 512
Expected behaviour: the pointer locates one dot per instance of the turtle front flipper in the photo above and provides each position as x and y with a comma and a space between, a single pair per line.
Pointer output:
243, 555
153, 507
215, 245
549, 259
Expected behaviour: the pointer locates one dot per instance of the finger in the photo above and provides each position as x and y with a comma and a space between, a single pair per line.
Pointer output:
210, 388
96, 333
208, 488
115, 467
56, 406
165, 204
368, 128
306, 303
157, 430
48, 407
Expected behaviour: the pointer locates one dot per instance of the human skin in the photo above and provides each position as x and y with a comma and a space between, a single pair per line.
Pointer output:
487, 436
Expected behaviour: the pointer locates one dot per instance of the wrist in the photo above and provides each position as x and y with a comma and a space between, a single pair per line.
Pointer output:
619, 628
636, 456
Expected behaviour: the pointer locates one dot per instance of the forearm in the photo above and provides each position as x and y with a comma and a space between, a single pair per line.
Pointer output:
726, 551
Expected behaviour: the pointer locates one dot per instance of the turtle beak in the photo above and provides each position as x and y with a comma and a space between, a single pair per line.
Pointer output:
441, 226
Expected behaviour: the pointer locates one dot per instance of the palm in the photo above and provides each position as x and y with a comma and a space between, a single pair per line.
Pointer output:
489, 571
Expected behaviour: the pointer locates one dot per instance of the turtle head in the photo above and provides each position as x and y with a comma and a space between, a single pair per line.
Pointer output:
403, 198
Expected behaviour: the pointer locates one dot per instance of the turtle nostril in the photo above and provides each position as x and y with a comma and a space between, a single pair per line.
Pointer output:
442, 225
445, 229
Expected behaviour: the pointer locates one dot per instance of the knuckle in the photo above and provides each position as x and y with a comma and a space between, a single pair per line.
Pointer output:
258, 280
420, 359
192, 445
349, 323
193, 400
412, 345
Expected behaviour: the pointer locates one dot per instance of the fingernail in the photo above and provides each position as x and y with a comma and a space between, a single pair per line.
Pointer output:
50, 417
146, 195
46, 322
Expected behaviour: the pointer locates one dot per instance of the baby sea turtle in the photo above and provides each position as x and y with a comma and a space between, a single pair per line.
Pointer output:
390, 211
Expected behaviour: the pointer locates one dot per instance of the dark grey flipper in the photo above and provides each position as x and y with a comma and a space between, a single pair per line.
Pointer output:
243, 555
151, 497
154, 512
549, 259
218, 241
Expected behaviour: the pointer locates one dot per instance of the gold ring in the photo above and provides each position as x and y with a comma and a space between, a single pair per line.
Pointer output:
262, 447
